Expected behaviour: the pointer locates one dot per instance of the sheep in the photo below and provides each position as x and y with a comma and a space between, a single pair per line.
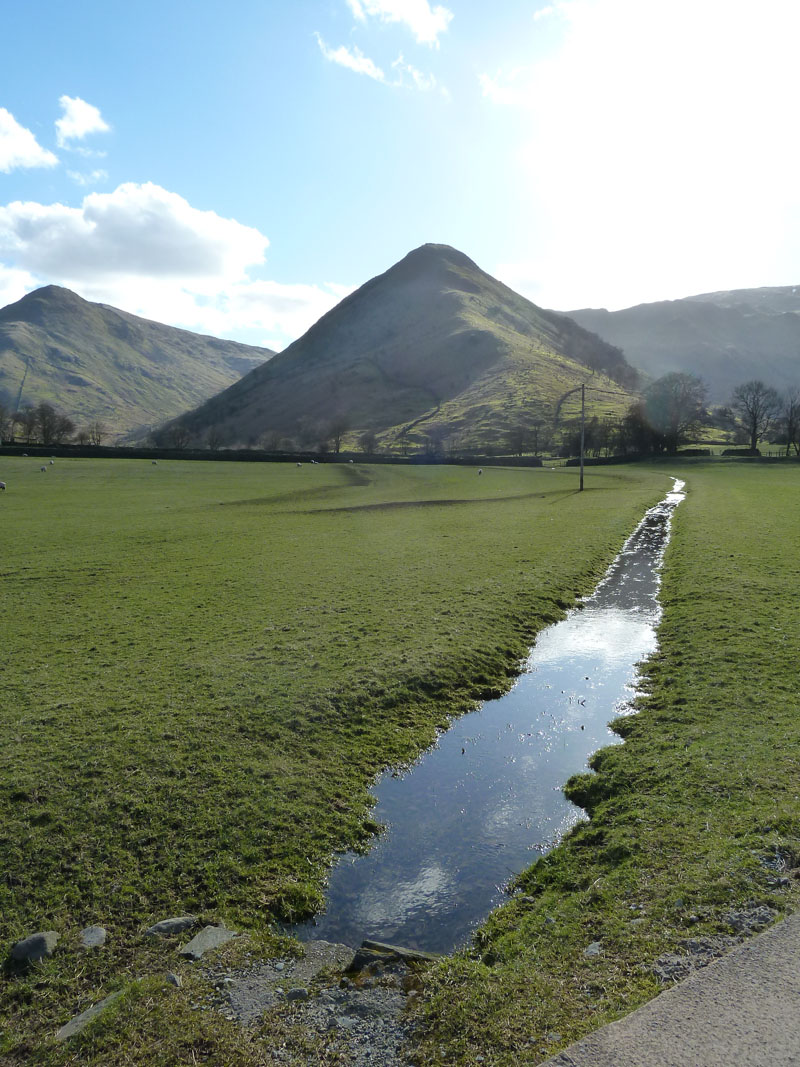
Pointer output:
480, 470
299, 464
2, 486
43, 470
52, 461
154, 462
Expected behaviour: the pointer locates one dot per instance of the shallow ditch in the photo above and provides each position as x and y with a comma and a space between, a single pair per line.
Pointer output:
486, 800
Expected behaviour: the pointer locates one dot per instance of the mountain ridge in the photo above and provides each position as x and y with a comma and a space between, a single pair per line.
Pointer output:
432, 339
726, 337
97, 362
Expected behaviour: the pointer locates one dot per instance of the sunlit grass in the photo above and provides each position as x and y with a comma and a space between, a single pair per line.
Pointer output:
205, 665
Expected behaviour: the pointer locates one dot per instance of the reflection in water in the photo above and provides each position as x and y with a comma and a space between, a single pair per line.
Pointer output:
486, 800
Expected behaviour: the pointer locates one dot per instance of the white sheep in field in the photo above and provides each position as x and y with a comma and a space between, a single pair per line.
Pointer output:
52, 461
154, 462
2, 485
43, 470
299, 464
480, 470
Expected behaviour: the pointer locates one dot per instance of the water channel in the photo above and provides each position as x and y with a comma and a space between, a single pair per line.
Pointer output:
485, 801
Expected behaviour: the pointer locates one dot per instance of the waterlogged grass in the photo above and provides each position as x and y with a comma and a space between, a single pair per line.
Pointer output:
689, 818
205, 665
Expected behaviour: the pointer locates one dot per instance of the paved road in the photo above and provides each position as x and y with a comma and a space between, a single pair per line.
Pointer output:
740, 1011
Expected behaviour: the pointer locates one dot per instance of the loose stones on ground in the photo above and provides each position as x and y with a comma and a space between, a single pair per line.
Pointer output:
355, 1004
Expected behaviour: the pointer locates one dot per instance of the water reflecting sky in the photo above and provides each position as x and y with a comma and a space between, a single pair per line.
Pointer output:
486, 800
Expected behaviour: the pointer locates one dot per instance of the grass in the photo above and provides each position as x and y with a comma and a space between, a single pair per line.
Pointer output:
205, 665
689, 818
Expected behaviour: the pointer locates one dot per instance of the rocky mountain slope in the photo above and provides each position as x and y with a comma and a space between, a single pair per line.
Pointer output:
725, 338
433, 345
94, 362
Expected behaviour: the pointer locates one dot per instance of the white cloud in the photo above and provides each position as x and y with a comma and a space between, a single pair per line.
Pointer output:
137, 229
352, 58
92, 178
14, 284
406, 74
657, 143
19, 147
78, 121
148, 251
426, 23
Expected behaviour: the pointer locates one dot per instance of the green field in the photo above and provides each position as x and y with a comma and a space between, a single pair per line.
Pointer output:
205, 665
694, 819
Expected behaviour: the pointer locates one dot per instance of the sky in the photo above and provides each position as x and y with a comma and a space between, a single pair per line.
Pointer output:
237, 168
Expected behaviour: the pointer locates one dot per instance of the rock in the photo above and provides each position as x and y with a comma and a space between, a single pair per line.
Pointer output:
745, 922
411, 954
74, 1026
171, 926
298, 993
93, 936
35, 947
174, 979
365, 958
208, 938
593, 950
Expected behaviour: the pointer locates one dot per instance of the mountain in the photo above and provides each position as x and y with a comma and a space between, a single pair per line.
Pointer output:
725, 338
434, 345
94, 362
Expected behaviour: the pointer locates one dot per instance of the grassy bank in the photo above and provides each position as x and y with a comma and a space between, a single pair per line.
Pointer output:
693, 819
204, 667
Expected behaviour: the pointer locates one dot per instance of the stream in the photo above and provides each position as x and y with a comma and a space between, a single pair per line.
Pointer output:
485, 801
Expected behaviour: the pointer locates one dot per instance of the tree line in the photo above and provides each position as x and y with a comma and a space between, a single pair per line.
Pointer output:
43, 424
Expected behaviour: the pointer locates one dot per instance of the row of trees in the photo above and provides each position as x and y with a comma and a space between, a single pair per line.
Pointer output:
45, 425
673, 412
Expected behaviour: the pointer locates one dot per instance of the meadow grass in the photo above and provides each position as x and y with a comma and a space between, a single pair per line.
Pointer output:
204, 667
692, 820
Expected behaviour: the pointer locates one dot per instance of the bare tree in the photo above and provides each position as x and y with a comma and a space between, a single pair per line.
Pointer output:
6, 421
179, 435
213, 438
25, 418
674, 406
97, 431
338, 427
757, 405
791, 418
64, 429
46, 423
368, 441
271, 440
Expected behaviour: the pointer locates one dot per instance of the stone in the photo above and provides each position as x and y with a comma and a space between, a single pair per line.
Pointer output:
93, 936
593, 950
298, 993
745, 922
174, 979
175, 925
404, 953
35, 947
208, 938
74, 1026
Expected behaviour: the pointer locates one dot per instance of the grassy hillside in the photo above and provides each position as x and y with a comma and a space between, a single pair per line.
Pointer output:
94, 362
726, 338
206, 664
434, 341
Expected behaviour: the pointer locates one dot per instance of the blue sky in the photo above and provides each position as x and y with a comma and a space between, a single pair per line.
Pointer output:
237, 168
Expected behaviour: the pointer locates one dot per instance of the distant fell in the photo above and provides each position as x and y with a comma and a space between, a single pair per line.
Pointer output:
433, 345
726, 337
96, 363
